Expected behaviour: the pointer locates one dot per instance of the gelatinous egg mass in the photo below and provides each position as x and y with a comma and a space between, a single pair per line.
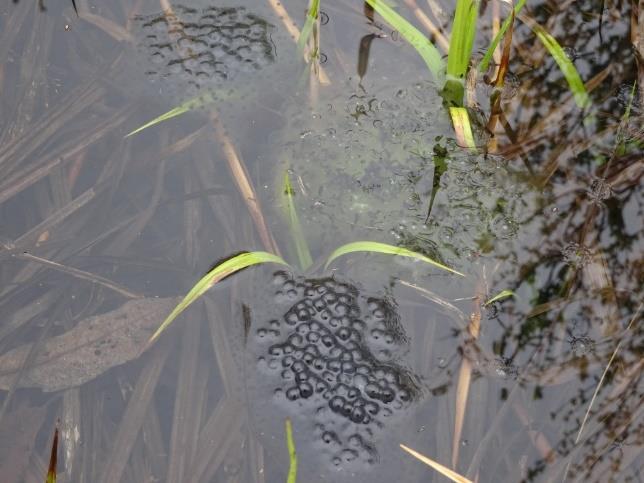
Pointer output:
332, 357
196, 48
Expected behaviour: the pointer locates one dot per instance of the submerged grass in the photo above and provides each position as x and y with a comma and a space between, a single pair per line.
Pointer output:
292, 454
297, 234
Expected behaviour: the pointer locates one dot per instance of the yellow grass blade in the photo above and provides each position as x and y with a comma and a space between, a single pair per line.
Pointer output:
377, 247
443, 470
462, 127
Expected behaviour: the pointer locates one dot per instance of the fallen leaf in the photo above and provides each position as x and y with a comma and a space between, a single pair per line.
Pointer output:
95, 345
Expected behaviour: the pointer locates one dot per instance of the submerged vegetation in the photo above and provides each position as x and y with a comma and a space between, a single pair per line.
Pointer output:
493, 149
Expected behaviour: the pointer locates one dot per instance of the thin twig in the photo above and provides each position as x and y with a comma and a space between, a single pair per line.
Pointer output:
240, 176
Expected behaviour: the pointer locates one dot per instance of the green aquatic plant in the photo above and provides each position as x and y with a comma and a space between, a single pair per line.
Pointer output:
568, 69
215, 275
297, 234
460, 50
487, 57
500, 296
385, 249
312, 16
411, 34
292, 455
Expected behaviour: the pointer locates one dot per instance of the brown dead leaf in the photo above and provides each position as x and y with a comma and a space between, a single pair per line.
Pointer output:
95, 345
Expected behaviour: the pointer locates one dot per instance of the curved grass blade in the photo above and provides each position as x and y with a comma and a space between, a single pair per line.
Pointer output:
568, 69
301, 247
292, 455
487, 57
384, 248
411, 34
221, 271
311, 17
443, 470
501, 295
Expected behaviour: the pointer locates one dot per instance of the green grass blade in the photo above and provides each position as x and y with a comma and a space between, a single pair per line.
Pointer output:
189, 105
462, 38
292, 455
377, 247
301, 247
565, 64
311, 18
501, 295
411, 34
177, 111
221, 271
487, 57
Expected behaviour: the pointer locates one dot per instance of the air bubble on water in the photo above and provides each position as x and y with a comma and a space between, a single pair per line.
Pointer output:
576, 255
599, 191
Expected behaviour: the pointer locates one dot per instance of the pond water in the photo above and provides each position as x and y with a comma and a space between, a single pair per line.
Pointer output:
102, 229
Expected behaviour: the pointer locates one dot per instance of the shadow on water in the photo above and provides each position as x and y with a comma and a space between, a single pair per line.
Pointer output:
101, 233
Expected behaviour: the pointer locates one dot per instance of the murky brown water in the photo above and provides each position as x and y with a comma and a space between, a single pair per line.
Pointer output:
369, 354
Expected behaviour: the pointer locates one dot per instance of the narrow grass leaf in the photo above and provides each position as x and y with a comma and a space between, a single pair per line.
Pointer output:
568, 69
603, 376
53, 459
301, 246
501, 295
221, 271
462, 38
177, 111
377, 247
487, 57
600, 384
191, 104
462, 127
411, 34
311, 17
292, 455
443, 470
